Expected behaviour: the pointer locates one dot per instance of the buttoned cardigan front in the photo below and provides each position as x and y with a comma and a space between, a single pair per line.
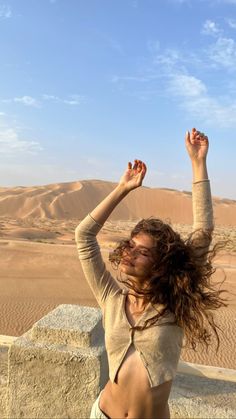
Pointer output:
159, 346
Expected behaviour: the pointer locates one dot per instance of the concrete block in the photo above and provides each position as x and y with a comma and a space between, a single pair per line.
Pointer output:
57, 368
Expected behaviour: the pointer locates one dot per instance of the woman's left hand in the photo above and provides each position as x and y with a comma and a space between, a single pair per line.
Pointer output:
197, 145
134, 175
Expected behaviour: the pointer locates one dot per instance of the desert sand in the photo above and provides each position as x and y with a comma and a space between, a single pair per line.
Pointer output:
39, 267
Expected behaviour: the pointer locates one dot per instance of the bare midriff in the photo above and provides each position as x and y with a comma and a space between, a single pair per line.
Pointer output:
131, 395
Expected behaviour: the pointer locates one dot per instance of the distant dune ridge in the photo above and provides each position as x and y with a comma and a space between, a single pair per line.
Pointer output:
75, 199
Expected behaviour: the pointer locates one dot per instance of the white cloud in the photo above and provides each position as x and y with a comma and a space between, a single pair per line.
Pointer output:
27, 100
211, 110
185, 85
210, 28
180, 75
72, 100
194, 98
192, 93
50, 97
5, 11
168, 59
223, 53
231, 23
12, 144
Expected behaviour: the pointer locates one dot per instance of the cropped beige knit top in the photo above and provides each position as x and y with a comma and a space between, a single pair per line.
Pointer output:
160, 345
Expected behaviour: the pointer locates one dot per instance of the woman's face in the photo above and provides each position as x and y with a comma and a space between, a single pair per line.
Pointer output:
137, 259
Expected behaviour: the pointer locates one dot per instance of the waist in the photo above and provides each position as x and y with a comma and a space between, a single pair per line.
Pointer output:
136, 400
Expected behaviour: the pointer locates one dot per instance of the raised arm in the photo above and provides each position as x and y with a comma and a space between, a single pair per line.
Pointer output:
99, 278
197, 145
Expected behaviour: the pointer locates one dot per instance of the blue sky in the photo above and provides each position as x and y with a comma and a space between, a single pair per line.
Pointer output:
87, 85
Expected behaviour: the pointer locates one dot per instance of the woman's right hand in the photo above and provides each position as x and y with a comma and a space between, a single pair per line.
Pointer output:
133, 176
131, 179
197, 145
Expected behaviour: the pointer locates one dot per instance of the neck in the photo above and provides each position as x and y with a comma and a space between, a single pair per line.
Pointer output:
137, 301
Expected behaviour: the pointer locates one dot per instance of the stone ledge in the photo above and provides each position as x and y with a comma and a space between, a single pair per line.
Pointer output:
207, 371
69, 324
201, 397
7, 340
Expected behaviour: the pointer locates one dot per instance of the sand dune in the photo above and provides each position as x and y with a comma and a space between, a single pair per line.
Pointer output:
75, 199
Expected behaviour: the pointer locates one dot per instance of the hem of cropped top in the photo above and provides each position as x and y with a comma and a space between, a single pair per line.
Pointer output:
167, 376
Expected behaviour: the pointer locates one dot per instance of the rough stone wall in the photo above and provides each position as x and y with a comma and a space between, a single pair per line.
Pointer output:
200, 397
49, 380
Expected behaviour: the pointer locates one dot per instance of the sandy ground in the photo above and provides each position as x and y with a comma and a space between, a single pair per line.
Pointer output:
39, 270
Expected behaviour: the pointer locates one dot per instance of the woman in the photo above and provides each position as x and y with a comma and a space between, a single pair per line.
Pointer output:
167, 294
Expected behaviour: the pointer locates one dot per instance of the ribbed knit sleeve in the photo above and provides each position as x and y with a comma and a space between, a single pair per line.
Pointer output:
202, 216
202, 206
99, 278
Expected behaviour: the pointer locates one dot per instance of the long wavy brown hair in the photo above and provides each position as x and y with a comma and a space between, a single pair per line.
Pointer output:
180, 280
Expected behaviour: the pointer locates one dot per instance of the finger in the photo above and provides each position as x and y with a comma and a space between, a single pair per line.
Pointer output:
141, 168
187, 137
193, 133
129, 165
197, 135
144, 169
193, 136
204, 143
201, 136
140, 165
142, 172
135, 165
